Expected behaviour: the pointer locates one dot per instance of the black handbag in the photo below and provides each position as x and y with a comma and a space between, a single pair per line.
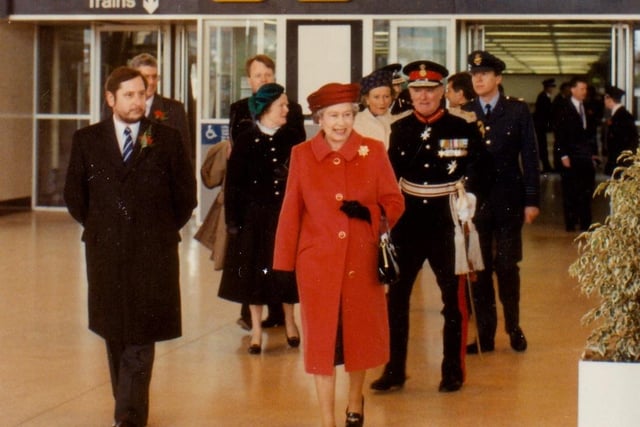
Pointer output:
388, 271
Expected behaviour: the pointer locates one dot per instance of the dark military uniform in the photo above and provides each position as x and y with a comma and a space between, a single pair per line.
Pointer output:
621, 132
429, 157
509, 136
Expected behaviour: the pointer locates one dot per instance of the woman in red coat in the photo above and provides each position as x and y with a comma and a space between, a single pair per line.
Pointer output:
328, 230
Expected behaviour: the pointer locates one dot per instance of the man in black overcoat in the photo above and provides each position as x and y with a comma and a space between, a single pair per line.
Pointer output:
621, 131
577, 150
131, 185
509, 135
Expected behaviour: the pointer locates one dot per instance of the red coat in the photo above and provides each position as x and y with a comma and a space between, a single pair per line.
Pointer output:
335, 257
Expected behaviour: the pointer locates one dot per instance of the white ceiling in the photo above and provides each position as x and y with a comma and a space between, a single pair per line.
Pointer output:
548, 48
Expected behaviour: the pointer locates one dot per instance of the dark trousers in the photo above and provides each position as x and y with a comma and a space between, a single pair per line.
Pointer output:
578, 184
130, 366
543, 149
501, 245
425, 232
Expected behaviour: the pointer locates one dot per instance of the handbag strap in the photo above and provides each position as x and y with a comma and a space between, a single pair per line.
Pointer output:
384, 223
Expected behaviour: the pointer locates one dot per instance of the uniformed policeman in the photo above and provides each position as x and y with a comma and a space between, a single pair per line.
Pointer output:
509, 136
430, 151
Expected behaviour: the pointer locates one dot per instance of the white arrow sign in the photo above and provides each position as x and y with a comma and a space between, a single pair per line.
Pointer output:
150, 5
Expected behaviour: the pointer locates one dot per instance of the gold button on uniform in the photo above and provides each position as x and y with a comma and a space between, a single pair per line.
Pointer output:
336, 161
351, 274
342, 235
339, 197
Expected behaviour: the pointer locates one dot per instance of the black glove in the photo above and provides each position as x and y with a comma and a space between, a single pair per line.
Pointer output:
354, 209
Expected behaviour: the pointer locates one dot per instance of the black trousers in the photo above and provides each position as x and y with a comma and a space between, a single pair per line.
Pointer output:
578, 184
425, 232
130, 366
501, 245
543, 149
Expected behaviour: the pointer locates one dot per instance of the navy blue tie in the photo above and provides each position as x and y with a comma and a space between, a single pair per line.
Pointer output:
128, 145
487, 107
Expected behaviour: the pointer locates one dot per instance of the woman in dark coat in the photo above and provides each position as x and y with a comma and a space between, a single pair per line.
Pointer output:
254, 188
328, 233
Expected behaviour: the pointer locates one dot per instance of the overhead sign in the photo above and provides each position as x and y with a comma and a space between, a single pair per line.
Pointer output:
314, 7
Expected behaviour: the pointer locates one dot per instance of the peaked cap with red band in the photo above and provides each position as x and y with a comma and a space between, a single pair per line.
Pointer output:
425, 74
332, 94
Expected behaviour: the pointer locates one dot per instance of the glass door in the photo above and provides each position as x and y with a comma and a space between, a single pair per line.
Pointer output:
622, 62
116, 45
226, 45
424, 39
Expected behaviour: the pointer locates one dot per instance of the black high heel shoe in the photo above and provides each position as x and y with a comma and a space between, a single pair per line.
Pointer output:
255, 348
355, 419
293, 341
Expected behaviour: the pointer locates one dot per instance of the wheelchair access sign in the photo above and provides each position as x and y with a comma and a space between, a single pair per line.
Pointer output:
213, 133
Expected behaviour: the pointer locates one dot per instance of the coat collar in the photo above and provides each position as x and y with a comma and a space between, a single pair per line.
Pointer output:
497, 111
349, 150
112, 149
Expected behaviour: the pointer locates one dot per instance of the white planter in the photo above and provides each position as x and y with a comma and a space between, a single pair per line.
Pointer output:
608, 394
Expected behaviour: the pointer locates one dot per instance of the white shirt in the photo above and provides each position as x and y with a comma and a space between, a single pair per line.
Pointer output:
577, 104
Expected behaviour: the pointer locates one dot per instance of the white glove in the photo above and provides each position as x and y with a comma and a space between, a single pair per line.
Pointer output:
466, 207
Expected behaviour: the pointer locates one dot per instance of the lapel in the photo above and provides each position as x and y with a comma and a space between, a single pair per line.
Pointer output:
138, 153
110, 147
499, 109
156, 105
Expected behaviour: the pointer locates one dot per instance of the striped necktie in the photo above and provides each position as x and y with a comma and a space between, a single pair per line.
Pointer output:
128, 145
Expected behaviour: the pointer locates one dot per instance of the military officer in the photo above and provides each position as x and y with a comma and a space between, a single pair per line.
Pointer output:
509, 136
430, 151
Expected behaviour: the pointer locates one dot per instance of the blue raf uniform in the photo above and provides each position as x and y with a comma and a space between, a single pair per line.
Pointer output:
509, 135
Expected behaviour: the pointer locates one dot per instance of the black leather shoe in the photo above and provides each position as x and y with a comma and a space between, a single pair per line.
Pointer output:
448, 385
518, 341
255, 349
355, 419
387, 382
473, 348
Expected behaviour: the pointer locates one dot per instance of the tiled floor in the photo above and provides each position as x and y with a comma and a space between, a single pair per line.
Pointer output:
53, 370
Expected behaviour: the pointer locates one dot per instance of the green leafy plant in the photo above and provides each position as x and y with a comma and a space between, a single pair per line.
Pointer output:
608, 266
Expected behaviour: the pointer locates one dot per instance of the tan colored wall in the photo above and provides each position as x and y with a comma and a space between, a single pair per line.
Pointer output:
16, 109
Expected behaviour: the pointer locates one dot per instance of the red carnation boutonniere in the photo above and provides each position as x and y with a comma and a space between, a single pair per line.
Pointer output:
159, 115
146, 139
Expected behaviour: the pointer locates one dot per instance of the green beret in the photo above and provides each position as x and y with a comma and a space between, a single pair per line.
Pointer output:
263, 98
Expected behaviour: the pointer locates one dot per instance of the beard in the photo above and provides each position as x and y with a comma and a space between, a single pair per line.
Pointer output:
131, 116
